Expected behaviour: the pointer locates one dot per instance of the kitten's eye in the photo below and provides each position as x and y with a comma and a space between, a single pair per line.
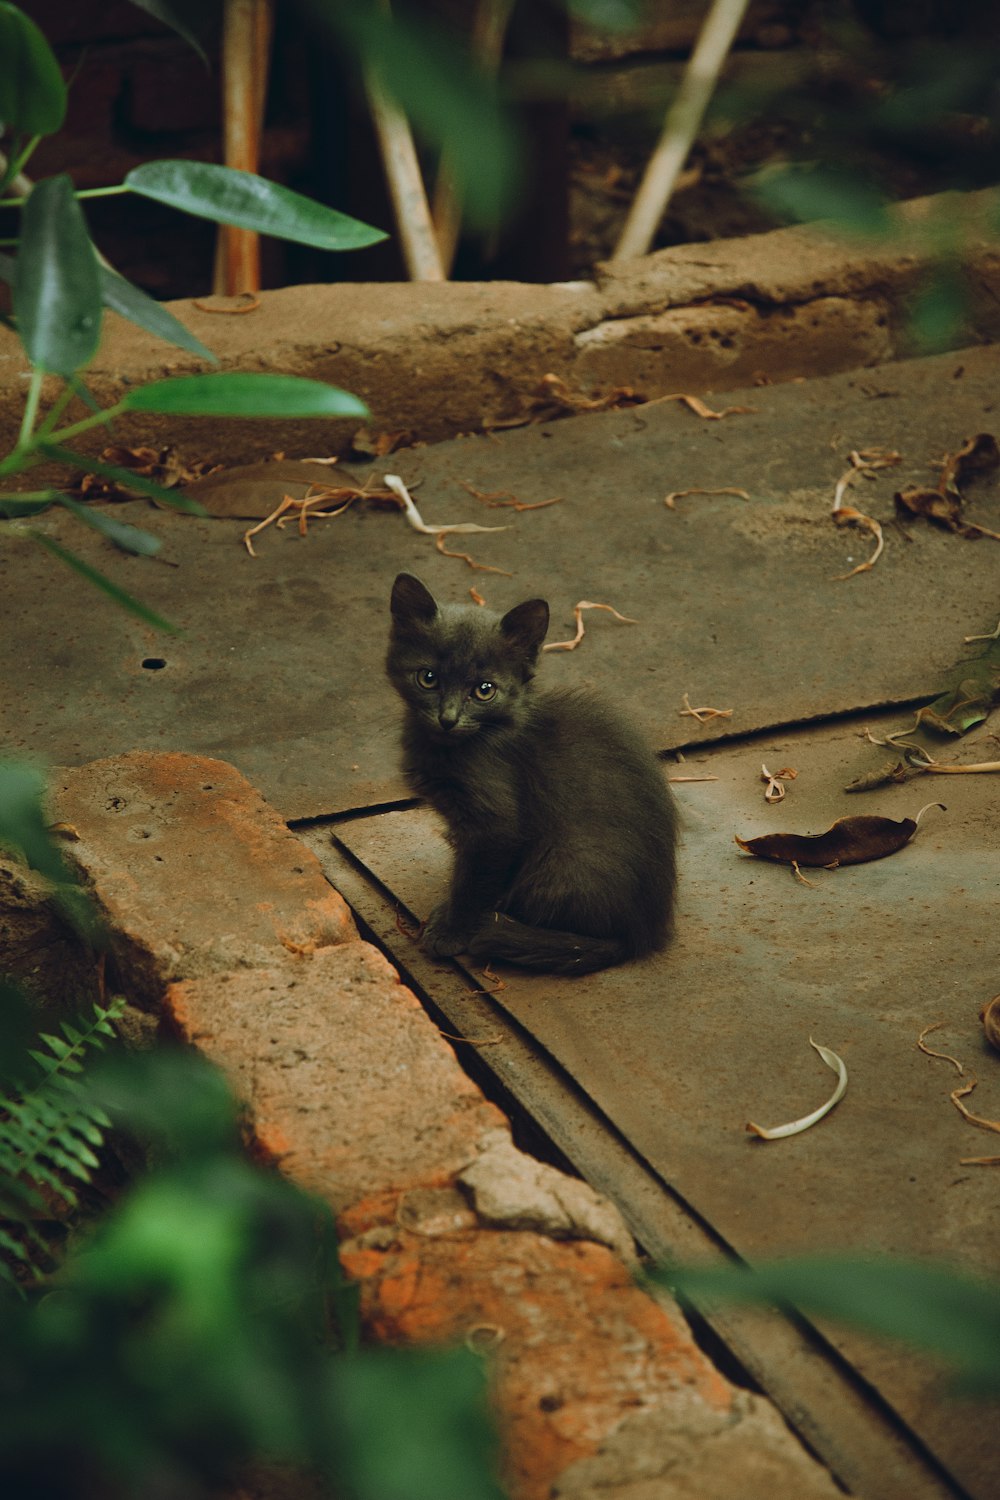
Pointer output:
483, 692
427, 678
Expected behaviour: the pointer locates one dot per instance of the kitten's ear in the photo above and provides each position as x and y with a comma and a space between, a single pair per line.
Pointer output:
525, 625
411, 601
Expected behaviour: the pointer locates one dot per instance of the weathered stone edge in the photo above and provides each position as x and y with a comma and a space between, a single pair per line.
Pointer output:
434, 361
451, 1232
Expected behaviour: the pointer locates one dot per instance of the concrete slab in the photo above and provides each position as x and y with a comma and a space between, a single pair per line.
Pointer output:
738, 602
679, 1052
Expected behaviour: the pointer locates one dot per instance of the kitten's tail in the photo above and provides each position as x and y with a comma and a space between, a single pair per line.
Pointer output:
544, 948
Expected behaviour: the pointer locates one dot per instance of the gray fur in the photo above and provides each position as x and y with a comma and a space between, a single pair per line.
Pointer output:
561, 821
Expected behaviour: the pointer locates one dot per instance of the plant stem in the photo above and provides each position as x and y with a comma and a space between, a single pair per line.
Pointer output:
56, 410
31, 407
14, 166
86, 424
104, 192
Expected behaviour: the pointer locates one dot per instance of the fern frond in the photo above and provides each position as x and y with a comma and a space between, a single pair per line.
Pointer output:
50, 1133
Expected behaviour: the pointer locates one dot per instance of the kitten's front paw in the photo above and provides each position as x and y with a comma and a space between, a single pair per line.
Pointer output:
440, 937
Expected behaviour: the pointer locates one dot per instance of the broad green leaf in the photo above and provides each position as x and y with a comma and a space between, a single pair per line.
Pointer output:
242, 395
938, 315
23, 821
928, 1305
119, 595
57, 292
434, 1404
228, 196
32, 92
181, 17
848, 202
124, 298
451, 101
26, 503
130, 538
127, 478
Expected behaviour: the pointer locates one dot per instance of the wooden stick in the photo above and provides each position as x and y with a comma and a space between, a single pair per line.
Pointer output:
246, 45
680, 127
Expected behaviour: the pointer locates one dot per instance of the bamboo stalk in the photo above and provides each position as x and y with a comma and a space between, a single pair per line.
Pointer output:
680, 127
246, 43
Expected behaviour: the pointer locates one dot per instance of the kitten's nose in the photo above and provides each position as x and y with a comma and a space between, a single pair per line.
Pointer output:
448, 716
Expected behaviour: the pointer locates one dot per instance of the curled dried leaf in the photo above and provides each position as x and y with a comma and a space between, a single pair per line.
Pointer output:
957, 1095
795, 1127
578, 616
850, 841
990, 1017
395, 484
670, 501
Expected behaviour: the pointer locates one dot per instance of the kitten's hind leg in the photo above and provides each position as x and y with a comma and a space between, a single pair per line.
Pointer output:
550, 951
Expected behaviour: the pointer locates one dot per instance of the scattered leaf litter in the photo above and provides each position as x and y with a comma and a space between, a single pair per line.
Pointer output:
863, 463
990, 1017
703, 715
479, 567
395, 484
795, 1127
943, 504
850, 841
958, 1094
578, 616
675, 495
700, 409
945, 1056
498, 499
774, 790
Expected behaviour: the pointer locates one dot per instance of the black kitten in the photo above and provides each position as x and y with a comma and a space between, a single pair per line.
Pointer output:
562, 823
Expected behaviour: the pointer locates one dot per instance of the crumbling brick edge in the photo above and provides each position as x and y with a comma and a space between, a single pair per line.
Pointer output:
221, 919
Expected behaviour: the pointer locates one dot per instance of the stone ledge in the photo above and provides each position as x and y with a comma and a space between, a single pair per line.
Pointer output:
434, 361
221, 919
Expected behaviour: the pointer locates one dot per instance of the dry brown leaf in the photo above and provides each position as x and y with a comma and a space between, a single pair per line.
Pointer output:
850, 841
500, 498
700, 409
943, 503
703, 715
957, 1095
847, 515
578, 616
675, 495
990, 1017
945, 1056
773, 790
478, 566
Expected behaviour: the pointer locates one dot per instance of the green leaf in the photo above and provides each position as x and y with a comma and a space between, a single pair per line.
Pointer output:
240, 395
23, 822
925, 1304
434, 1405
57, 295
938, 315
851, 204
26, 503
127, 478
228, 196
132, 303
129, 538
32, 92
181, 18
119, 595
